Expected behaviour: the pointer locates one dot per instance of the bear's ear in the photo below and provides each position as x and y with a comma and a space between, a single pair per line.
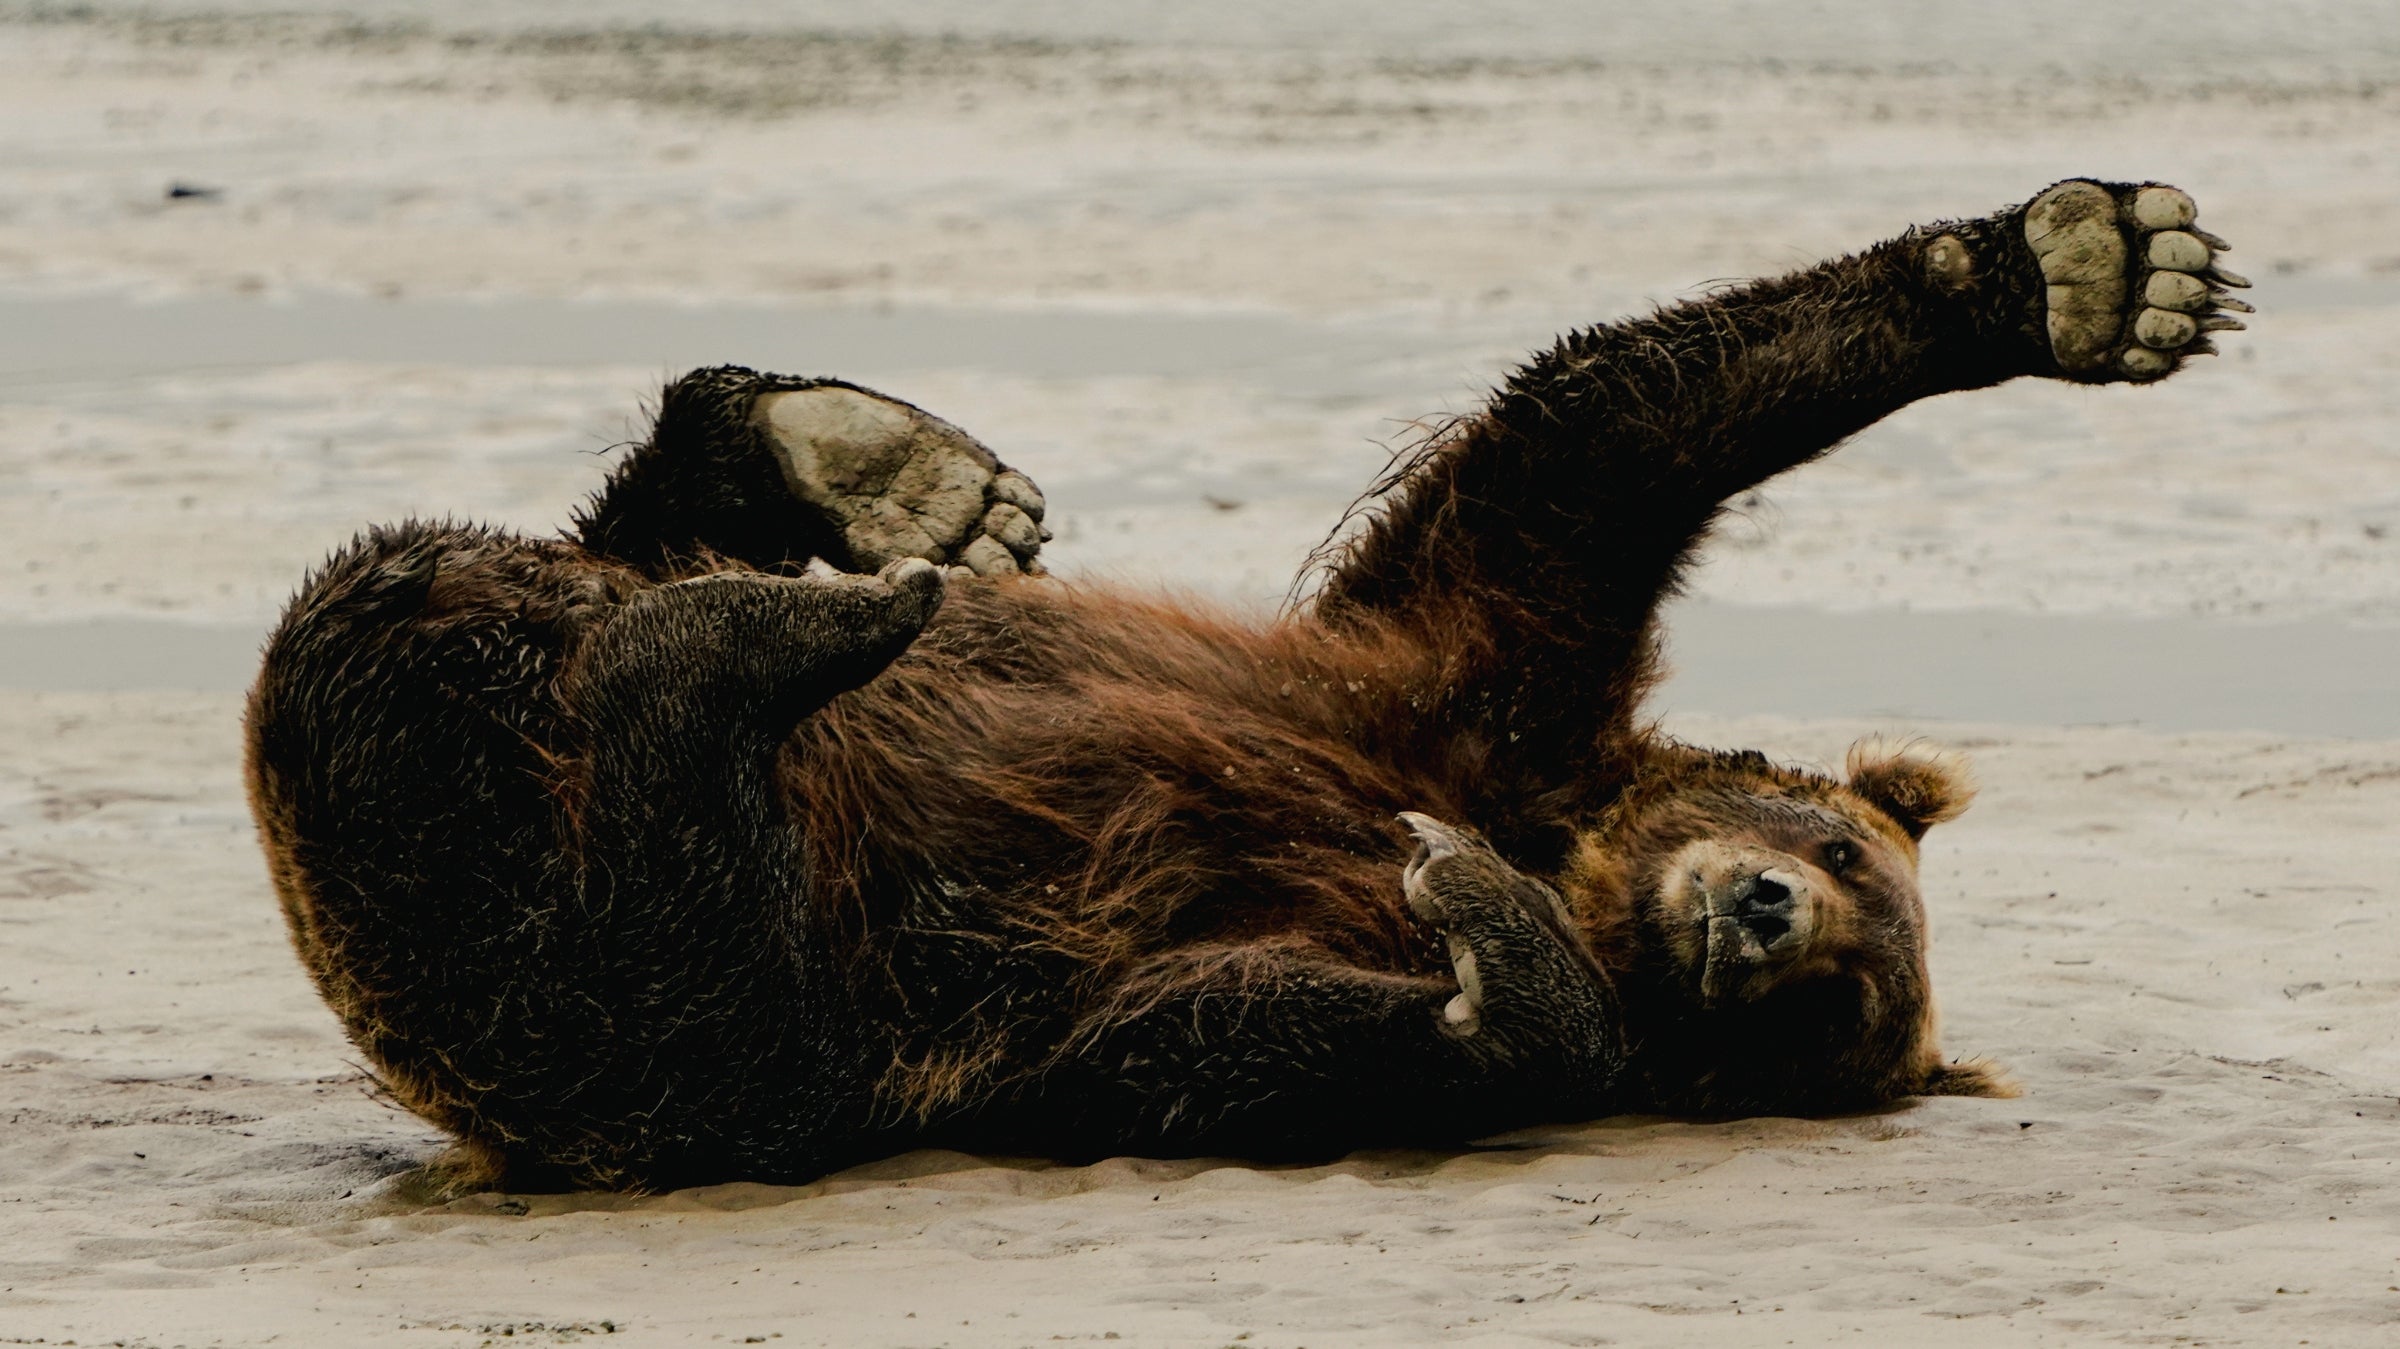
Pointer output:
1975, 1077
1917, 785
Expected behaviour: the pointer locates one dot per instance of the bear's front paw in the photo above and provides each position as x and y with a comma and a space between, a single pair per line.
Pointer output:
898, 482
1512, 943
818, 616
2130, 285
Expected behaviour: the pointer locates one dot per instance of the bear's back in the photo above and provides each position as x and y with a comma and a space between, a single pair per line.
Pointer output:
402, 751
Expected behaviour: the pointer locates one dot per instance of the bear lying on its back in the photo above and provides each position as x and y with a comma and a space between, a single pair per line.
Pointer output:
639, 858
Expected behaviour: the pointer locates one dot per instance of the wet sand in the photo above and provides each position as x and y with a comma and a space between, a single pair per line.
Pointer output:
2178, 945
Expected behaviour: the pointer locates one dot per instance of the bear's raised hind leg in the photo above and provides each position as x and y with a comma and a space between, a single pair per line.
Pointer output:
1535, 543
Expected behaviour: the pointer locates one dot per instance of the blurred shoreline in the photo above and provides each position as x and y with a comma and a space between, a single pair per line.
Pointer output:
2196, 39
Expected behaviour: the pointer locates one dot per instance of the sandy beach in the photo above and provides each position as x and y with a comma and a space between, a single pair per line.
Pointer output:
1200, 287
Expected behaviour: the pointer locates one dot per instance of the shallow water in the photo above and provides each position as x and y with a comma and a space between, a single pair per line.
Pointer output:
2311, 678
2297, 678
48, 339
2314, 679
96, 337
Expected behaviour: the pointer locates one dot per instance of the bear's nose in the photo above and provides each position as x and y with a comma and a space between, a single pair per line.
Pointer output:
1764, 904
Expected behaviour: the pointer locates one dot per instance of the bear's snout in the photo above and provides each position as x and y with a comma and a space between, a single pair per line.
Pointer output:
1744, 913
1768, 907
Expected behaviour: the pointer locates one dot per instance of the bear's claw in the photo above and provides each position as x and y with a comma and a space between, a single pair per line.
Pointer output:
2130, 286
1497, 923
1434, 840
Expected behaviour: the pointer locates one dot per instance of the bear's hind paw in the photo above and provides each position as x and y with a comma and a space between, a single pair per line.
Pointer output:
2130, 284
898, 482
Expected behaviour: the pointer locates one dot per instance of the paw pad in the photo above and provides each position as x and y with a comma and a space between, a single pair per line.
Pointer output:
2097, 249
899, 483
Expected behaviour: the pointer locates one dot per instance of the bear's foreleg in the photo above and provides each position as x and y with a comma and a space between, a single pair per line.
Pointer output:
1265, 1050
728, 1044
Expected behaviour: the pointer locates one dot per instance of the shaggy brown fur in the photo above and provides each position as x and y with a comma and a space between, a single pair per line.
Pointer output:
627, 878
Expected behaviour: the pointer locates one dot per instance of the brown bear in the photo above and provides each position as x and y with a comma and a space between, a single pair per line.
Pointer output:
650, 855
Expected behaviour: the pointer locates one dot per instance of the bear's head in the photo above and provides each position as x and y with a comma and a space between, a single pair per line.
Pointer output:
1767, 933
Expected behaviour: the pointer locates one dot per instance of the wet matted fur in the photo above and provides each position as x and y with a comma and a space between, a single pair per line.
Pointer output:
638, 858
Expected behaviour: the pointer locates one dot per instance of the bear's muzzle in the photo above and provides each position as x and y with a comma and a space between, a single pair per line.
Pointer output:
1740, 915
1757, 923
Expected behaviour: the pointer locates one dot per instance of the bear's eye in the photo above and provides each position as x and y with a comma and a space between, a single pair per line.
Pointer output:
1840, 856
